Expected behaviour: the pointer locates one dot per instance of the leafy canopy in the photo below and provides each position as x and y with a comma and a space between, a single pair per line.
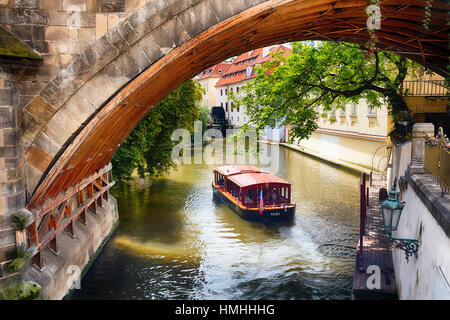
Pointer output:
148, 147
316, 78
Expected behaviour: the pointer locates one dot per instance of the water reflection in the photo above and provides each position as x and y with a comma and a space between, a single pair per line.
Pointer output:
174, 242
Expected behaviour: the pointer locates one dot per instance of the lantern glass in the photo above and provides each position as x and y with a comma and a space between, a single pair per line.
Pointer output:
396, 218
391, 210
387, 213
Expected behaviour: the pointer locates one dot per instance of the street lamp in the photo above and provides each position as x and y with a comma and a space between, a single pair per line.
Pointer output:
391, 210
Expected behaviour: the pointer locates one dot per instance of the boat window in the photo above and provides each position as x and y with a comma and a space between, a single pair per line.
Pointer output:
250, 198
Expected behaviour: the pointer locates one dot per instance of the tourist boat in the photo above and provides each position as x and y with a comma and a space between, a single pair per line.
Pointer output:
254, 194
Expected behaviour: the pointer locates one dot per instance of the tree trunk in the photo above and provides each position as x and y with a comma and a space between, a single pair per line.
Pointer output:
396, 102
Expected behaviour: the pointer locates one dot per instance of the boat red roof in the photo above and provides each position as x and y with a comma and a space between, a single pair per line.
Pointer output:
254, 178
229, 170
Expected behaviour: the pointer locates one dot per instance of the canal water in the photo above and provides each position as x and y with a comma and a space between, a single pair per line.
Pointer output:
175, 242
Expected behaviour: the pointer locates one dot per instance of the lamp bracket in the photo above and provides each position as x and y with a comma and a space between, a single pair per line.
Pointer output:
409, 246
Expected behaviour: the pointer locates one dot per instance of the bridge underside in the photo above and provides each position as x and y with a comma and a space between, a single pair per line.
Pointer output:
177, 48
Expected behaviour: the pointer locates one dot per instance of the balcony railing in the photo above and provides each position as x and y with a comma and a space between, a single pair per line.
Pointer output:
425, 88
437, 159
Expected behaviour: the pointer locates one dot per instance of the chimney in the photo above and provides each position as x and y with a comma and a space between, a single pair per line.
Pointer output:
266, 51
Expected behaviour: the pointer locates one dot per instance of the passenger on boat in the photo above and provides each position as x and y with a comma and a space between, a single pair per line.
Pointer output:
249, 199
272, 195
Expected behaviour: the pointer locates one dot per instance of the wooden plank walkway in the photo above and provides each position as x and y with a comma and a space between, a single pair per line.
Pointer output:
375, 251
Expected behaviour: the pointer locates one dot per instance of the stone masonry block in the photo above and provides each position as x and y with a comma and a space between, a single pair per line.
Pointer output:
8, 252
13, 187
79, 108
57, 33
114, 19
7, 117
163, 9
22, 31
205, 16
5, 97
163, 40
27, 4
37, 158
9, 151
9, 137
38, 33
127, 66
151, 49
133, 5
93, 95
110, 5
86, 35
101, 25
2, 203
14, 174
176, 31
40, 110
58, 18
15, 202
148, 14
107, 83
61, 127
139, 57
252, 3
227, 8
7, 237
46, 143
30, 128
81, 4
52, 5
105, 52
33, 177
116, 39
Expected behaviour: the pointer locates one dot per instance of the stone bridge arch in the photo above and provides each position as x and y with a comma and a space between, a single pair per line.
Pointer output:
73, 127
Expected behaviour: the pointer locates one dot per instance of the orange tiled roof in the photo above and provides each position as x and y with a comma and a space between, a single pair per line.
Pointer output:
215, 71
238, 70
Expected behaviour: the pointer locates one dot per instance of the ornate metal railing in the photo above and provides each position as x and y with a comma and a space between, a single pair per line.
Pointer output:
437, 159
59, 214
426, 88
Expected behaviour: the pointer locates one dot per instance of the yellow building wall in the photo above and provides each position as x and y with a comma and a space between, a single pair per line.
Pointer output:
427, 104
361, 152
423, 104
209, 97
357, 137
361, 121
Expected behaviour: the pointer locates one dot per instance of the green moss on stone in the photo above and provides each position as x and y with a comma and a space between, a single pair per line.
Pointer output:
12, 46
17, 289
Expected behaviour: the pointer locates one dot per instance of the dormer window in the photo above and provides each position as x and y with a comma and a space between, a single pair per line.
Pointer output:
249, 72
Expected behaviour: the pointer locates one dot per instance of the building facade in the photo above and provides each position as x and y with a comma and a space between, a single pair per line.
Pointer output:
358, 138
241, 71
208, 79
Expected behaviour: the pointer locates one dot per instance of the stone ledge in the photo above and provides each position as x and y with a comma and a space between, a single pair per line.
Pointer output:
430, 194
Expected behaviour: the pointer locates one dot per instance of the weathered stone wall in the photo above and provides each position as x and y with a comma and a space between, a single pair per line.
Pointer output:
426, 218
76, 254
12, 178
59, 30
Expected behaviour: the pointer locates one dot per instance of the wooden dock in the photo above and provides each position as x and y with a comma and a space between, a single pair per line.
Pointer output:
375, 249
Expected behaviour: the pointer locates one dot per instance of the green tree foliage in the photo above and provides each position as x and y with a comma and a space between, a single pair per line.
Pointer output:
148, 147
291, 89
204, 117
